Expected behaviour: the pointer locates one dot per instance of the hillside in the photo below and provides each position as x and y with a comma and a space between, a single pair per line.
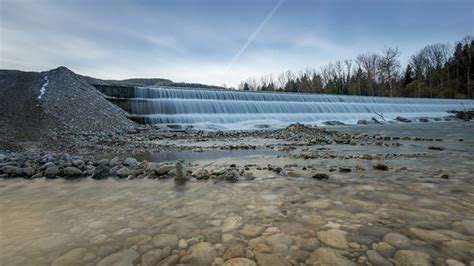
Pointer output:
69, 106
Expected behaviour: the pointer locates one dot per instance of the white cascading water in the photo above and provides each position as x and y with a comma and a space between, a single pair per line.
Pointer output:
220, 109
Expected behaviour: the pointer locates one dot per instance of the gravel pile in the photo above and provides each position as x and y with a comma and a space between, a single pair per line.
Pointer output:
68, 106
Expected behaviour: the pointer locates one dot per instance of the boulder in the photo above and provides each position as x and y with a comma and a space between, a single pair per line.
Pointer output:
329, 257
71, 172
411, 258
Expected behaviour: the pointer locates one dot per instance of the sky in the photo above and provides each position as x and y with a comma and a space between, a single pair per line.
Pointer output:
217, 41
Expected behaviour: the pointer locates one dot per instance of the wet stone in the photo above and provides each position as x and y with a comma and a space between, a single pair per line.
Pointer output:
124, 257
334, 238
271, 259
251, 231
152, 257
397, 240
166, 240
240, 262
411, 258
203, 254
327, 256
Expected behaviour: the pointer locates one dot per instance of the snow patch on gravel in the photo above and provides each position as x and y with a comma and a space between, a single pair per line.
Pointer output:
43, 88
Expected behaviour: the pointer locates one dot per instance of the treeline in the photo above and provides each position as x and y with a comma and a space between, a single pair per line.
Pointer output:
436, 71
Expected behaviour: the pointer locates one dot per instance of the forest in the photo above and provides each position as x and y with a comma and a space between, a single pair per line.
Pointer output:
437, 71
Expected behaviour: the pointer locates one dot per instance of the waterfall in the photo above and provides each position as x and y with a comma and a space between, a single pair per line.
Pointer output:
225, 109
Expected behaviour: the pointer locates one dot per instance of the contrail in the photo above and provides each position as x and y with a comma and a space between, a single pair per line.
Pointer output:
252, 37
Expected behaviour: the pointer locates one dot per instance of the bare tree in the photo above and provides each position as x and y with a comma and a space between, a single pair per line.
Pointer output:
389, 66
369, 63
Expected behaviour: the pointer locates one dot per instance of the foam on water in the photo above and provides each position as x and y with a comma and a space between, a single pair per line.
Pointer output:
220, 109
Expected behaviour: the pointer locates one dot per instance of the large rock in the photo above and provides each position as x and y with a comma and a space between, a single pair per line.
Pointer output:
334, 238
234, 251
71, 172
101, 172
166, 240
123, 172
428, 235
411, 258
240, 262
50, 243
151, 258
251, 230
77, 256
397, 240
329, 257
376, 259
130, 162
271, 260
232, 223
181, 173
279, 238
464, 226
202, 254
121, 258
52, 172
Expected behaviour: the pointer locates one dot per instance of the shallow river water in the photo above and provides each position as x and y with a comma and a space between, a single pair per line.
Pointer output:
402, 216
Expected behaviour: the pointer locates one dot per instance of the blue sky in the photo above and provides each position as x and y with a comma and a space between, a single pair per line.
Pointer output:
203, 41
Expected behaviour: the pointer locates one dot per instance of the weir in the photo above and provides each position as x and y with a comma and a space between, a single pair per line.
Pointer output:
225, 109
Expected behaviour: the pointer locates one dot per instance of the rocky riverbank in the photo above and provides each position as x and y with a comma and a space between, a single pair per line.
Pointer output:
398, 194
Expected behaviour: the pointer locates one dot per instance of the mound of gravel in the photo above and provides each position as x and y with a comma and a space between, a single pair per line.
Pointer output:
68, 106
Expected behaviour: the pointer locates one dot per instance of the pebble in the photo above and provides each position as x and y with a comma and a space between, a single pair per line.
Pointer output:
240, 262
122, 258
411, 258
397, 240
327, 256
334, 238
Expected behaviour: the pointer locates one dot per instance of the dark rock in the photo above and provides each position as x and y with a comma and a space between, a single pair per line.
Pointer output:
333, 123
51, 172
362, 122
344, 170
130, 162
101, 171
437, 148
445, 176
320, 176
402, 119
123, 172
71, 172
380, 166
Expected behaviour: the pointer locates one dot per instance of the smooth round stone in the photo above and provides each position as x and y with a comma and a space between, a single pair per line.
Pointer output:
166, 240
203, 253
232, 223
251, 230
330, 257
384, 249
397, 240
464, 226
240, 262
152, 257
279, 238
376, 259
271, 259
124, 257
428, 235
293, 228
334, 238
234, 251
411, 258
76, 256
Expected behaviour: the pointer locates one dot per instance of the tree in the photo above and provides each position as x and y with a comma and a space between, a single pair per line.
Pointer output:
389, 66
369, 63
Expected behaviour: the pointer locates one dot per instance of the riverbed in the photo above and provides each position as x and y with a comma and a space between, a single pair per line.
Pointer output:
418, 211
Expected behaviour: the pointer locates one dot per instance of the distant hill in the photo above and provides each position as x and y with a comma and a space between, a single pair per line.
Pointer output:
148, 82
